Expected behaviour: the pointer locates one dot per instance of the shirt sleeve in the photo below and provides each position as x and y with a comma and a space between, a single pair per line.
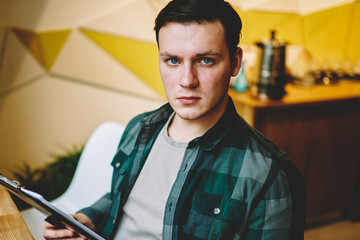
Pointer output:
279, 214
98, 209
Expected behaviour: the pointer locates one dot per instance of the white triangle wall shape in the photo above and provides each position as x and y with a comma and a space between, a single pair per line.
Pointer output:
133, 20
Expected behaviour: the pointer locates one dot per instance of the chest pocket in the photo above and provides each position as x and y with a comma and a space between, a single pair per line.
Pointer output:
120, 164
214, 216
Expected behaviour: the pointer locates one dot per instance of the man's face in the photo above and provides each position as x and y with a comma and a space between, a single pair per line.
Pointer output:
195, 68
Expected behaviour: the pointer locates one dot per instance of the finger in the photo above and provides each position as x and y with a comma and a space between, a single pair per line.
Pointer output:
48, 225
58, 233
76, 238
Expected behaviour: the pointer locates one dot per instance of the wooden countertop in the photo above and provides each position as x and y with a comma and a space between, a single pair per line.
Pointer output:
12, 225
300, 95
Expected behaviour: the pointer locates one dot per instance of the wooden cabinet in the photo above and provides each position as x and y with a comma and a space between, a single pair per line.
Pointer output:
319, 129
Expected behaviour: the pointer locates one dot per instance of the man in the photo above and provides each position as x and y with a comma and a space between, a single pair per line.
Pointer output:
194, 169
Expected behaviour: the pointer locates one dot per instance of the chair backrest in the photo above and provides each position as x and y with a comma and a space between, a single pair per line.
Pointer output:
92, 176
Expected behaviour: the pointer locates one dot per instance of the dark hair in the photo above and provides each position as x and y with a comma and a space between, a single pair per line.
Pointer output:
200, 11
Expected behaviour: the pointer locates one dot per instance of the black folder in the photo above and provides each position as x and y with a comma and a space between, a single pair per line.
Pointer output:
53, 215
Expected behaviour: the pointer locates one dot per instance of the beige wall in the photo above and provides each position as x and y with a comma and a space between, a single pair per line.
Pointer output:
44, 111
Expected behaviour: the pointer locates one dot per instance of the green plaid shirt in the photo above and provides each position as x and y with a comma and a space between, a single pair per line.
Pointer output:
233, 183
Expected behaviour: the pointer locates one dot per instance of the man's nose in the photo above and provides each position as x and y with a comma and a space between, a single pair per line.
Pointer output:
189, 79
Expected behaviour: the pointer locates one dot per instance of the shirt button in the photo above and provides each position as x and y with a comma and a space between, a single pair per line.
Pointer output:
216, 211
114, 221
117, 165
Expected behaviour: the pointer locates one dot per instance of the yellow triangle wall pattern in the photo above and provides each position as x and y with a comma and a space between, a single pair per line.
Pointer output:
51, 44
331, 35
44, 46
138, 56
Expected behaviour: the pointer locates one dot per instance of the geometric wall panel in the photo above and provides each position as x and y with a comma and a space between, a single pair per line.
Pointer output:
18, 66
45, 46
30, 40
133, 19
285, 6
157, 5
244, 36
138, 56
51, 43
42, 15
288, 26
331, 36
52, 115
326, 34
301, 7
353, 35
83, 61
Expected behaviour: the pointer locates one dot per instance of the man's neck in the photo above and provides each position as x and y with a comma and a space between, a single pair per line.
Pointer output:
183, 130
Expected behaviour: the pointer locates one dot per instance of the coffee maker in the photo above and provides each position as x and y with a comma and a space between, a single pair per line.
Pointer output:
271, 75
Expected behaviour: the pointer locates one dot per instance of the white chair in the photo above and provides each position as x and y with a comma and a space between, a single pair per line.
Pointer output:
92, 177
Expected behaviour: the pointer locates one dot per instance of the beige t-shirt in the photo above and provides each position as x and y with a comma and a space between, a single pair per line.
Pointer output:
145, 207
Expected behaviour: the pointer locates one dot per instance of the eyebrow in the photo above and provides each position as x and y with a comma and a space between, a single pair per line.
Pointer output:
201, 54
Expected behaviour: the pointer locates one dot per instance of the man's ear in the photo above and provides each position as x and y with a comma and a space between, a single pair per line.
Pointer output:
236, 62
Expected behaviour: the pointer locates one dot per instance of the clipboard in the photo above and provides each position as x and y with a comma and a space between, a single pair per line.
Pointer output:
53, 215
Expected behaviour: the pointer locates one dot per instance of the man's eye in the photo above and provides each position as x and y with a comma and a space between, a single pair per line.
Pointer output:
207, 61
173, 61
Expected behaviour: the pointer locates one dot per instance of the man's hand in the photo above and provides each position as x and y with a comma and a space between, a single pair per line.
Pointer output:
54, 232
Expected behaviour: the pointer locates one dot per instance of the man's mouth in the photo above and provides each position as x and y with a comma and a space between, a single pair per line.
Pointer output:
188, 100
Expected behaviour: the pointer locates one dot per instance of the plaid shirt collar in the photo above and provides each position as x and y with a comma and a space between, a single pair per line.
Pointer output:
211, 138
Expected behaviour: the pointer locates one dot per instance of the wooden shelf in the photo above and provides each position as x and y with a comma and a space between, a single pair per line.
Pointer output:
300, 95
